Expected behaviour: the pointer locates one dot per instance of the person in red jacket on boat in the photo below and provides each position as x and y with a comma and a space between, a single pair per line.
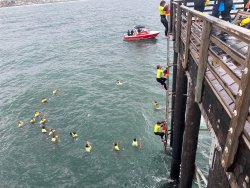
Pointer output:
162, 10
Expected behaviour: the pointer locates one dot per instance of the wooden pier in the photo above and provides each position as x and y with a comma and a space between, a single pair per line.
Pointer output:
212, 79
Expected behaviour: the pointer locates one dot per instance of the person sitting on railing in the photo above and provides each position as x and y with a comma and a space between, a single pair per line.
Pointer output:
162, 9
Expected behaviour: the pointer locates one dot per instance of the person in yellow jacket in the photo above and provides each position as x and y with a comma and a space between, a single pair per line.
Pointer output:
157, 131
116, 147
162, 10
135, 143
88, 147
44, 129
159, 77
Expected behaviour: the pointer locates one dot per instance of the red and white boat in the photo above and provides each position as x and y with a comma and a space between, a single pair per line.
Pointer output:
139, 33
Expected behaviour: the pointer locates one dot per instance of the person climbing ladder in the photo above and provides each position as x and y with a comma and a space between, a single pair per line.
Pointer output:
157, 127
159, 77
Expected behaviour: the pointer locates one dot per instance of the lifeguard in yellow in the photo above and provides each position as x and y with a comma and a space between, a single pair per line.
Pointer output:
52, 131
33, 120
44, 129
88, 147
54, 92
159, 76
135, 143
36, 114
157, 131
162, 10
42, 121
55, 138
116, 147
73, 134
44, 100
156, 105
20, 123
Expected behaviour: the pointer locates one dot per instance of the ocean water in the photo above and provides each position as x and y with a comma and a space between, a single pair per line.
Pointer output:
77, 48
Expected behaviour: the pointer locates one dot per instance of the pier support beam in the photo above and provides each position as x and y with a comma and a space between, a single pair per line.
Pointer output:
190, 139
173, 98
179, 120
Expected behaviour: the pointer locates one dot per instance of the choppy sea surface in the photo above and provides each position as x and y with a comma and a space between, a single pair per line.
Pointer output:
77, 48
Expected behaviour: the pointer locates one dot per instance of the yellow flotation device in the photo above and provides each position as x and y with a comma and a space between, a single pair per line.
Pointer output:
88, 148
36, 114
54, 92
44, 100
43, 120
245, 22
44, 130
20, 123
33, 120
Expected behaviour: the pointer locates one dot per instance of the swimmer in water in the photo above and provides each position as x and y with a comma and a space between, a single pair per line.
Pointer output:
44, 100
54, 92
135, 143
33, 120
116, 147
88, 147
20, 123
55, 138
52, 131
156, 105
42, 121
73, 134
119, 82
36, 114
44, 129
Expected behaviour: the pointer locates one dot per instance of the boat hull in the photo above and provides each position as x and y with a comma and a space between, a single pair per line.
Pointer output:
141, 36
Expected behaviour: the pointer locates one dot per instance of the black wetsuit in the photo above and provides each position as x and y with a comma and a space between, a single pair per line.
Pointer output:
165, 23
199, 5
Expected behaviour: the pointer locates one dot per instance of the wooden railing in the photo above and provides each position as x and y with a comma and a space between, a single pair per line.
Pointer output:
221, 51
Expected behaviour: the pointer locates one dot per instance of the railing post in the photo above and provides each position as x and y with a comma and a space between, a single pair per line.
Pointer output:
189, 24
239, 116
203, 58
178, 29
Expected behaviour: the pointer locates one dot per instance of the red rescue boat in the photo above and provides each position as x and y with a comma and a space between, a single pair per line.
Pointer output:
140, 32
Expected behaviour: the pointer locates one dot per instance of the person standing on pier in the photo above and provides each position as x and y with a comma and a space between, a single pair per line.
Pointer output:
159, 77
162, 9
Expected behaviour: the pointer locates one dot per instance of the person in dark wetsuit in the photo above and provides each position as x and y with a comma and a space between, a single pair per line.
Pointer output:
225, 14
199, 5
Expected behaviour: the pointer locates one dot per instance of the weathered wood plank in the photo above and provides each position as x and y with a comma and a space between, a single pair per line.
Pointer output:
189, 23
237, 31
203, 59
225, 67
239, 118
178, 29
228, 50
